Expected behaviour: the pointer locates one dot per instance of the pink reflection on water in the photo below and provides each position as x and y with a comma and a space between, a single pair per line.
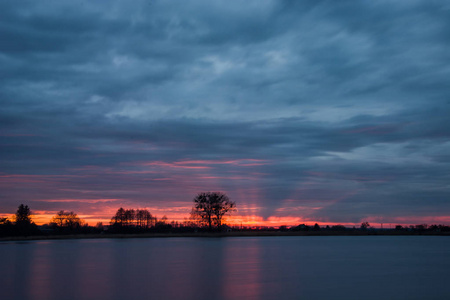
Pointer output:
238, 284
40, 277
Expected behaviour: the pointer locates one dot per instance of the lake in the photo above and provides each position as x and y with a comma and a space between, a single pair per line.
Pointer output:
362, 267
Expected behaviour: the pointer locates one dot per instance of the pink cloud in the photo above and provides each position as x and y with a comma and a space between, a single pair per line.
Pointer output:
236, 162
78, 200
173, 165
204, 164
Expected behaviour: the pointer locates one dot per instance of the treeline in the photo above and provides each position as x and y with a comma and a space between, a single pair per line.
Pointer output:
139, 220
204, 218
21, 225
365, 227
207, 215
68, 222
424, 227
64, 222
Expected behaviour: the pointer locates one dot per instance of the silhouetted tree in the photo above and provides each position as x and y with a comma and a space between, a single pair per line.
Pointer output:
301, 227
58, 220
444, 228
6, 227
316, 227
132, 219
210, 207
421, 227
119, 218
338, 227
23, 215
163, 225
66, 219
365, 225
23, 223
143, 218
150, 221
433, 227
140, 218
130, 216
164, 219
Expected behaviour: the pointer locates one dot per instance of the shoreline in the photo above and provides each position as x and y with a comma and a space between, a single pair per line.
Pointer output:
219, 235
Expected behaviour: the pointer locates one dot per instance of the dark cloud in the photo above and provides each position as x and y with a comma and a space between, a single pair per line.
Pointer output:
342, 107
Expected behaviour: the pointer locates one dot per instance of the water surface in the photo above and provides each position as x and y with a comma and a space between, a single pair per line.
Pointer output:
365, 267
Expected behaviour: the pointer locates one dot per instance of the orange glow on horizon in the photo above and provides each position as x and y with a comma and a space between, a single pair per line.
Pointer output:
253, 221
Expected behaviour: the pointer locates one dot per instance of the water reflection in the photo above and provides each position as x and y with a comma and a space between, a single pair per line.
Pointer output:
227, 268
242, 270
39, 276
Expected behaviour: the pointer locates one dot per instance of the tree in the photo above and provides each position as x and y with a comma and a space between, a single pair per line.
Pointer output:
6, 227
73, 221
23, 215
24, 225
143, 218
164, 219
149, 219
365, 225
119, 218
130, 216
210, 207
67, 219
140, 217
338, 227
58, 219
398, 227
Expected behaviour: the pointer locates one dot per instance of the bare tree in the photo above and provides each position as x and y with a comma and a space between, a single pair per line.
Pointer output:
66, 219
119, 218
210, 208
149, 220
365, 225
59, 219
143, 218
130, 215
139, 217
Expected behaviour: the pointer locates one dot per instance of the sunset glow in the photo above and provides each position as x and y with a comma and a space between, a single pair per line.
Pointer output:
201, 150
301, 113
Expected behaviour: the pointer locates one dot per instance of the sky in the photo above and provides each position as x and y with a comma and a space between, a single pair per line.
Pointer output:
300, 111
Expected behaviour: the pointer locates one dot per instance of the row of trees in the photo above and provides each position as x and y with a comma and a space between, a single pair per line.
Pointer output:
141, 218
208, 212
23, 224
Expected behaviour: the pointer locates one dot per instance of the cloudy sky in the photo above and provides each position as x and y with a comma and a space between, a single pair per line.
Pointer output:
301, 111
